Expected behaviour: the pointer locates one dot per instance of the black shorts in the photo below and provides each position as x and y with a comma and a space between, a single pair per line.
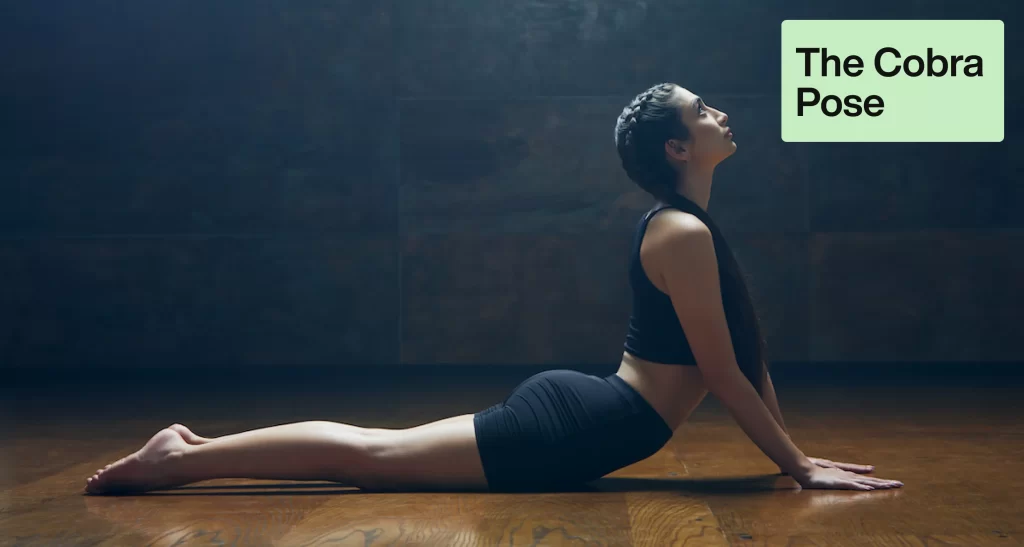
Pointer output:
562, 428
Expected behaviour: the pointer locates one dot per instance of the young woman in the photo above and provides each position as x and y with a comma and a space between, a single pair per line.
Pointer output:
693, 330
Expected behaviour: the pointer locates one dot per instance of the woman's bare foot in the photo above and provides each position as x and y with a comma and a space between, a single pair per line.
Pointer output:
190, 438
152, 467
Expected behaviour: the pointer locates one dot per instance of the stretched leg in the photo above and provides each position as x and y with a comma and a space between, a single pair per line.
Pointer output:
192, 438
313, 450
439, 454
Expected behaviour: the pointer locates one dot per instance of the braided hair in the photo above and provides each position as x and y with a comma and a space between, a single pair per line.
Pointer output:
649, 120
645, 124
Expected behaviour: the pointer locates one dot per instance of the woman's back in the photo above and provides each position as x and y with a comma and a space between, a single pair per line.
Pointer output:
674, 389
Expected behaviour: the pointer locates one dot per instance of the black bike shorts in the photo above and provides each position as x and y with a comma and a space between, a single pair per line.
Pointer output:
563, 428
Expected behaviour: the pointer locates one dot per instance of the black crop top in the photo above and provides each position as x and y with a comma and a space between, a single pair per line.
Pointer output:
654, 330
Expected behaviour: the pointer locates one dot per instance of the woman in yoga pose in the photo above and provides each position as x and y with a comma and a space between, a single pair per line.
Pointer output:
693, 330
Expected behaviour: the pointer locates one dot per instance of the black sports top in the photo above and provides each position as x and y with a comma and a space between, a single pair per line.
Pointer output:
654, 330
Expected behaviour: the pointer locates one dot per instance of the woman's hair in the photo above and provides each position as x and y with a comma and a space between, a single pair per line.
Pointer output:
651, 119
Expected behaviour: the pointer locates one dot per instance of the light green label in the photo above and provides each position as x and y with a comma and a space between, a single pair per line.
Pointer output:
892, 81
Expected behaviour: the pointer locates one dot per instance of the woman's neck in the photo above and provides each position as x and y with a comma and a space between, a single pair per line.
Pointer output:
695, 185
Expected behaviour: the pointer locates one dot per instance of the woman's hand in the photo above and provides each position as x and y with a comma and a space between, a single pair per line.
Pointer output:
854, 467
835, 478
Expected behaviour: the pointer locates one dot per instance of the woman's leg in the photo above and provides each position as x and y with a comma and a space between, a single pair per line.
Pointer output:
437, 455
191, 438
441, 454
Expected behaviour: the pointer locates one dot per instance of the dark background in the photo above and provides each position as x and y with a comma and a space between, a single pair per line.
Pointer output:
319, 184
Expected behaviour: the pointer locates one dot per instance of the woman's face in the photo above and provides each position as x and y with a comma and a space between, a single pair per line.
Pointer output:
710, 141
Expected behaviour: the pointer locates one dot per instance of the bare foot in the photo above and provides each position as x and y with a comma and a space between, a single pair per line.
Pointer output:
190, 438
148, 469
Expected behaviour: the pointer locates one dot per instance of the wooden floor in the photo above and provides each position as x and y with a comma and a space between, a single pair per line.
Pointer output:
956, 442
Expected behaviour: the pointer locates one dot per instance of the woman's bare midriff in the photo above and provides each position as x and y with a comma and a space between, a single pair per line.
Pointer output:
673, 390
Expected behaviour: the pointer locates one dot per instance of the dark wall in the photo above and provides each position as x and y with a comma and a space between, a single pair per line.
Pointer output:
271, 182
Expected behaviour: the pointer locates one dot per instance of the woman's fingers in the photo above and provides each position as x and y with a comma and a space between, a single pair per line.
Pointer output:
854, 467
879, 483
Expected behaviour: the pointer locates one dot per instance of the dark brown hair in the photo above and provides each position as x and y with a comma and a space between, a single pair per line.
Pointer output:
646, 123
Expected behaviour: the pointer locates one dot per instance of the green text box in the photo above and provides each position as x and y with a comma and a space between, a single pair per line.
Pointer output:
922, 108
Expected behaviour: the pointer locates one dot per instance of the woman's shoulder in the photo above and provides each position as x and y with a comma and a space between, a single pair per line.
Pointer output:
675, 236
671, 223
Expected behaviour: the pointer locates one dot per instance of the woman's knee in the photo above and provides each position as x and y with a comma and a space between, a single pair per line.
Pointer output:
357, 457
440, 454
379, 459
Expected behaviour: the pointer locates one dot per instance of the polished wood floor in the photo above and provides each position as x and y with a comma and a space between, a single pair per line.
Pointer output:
957, 442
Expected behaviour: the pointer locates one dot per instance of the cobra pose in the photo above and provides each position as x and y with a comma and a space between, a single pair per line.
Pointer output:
693, 330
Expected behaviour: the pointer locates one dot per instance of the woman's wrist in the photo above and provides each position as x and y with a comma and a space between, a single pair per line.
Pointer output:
805, 470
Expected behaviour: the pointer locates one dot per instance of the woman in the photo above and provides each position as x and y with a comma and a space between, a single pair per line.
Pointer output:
562, 428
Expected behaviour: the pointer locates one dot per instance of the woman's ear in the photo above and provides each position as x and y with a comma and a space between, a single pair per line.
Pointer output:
676, 150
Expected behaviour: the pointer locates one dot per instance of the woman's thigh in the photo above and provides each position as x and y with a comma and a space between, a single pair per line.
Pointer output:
440, 455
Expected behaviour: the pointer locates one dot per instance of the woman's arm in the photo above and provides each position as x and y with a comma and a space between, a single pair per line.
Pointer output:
691, 274
771, 401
